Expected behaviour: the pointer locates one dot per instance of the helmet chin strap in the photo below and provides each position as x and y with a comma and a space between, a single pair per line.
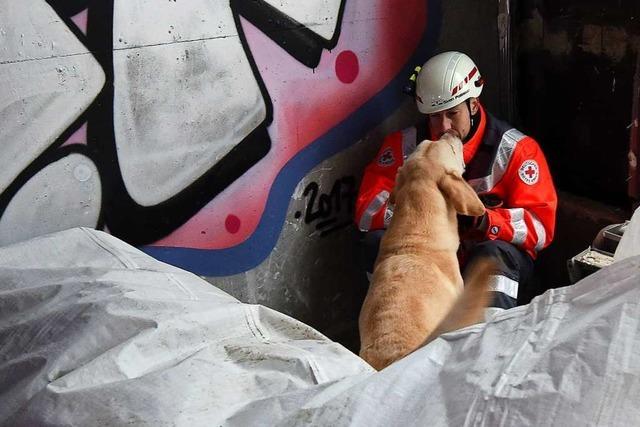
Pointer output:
474, 123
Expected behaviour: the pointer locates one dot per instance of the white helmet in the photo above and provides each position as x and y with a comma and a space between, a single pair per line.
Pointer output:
445, 81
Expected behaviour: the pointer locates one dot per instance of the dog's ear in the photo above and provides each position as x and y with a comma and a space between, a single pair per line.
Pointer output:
460, 194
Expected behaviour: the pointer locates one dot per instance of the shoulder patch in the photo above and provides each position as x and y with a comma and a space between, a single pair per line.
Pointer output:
386, 158
529, 172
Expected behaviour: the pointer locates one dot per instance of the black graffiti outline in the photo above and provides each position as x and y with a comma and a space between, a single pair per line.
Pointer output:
329, 205
55, 151
118, 211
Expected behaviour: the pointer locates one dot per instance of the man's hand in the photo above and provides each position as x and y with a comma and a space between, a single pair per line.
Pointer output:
472, 227
475, 222
491, 201
475, 227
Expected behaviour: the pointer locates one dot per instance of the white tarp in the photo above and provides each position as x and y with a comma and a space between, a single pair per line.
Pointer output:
94, 332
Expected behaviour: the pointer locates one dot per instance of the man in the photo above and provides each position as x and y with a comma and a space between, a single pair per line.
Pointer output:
506, 168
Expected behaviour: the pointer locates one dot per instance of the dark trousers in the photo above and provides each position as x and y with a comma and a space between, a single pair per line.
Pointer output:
513, 266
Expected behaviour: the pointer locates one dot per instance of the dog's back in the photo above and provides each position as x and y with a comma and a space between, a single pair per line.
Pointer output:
416, 290
396, 321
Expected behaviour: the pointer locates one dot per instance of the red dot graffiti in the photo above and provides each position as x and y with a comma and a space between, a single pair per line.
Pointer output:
232, 224
347, 66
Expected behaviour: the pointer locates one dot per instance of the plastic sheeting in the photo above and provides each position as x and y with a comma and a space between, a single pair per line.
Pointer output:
94, 332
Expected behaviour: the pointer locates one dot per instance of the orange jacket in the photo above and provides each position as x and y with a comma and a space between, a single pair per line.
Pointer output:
506, 168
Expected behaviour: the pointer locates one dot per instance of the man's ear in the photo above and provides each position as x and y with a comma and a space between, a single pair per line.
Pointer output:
457, 191
474, 105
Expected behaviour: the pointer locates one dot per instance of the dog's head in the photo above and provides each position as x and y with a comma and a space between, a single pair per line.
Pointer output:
445, 152
442, 161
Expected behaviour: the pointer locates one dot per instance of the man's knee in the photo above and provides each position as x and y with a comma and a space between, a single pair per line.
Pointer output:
513, 267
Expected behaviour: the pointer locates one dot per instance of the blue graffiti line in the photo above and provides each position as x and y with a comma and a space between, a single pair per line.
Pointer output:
250, 253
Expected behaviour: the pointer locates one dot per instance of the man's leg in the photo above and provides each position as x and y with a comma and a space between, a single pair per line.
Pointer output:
513, 267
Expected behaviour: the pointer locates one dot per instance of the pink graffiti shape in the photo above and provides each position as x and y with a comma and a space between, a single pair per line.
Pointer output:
81, 21
78, 137
347, 66
232, 224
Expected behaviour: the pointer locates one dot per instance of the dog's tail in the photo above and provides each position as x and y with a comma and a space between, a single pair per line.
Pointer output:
470, 306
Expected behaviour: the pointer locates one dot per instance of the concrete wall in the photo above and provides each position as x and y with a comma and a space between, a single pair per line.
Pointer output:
224, 137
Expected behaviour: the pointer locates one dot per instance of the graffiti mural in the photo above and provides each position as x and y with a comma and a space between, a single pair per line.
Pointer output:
185, 126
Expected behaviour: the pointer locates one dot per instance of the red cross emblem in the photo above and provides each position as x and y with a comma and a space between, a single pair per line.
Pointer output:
529, 172
386, 158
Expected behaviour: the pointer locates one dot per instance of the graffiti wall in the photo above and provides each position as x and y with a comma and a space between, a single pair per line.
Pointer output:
195, 129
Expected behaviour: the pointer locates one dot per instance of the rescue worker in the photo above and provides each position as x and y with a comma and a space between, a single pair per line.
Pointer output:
506, 168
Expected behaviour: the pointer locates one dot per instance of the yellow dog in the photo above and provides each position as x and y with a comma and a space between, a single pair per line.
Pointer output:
416, 291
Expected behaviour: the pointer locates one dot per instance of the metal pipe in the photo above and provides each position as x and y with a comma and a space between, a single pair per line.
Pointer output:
633, 189
506, 63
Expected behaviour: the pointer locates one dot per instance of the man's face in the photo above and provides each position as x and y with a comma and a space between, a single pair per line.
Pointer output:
457, 118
